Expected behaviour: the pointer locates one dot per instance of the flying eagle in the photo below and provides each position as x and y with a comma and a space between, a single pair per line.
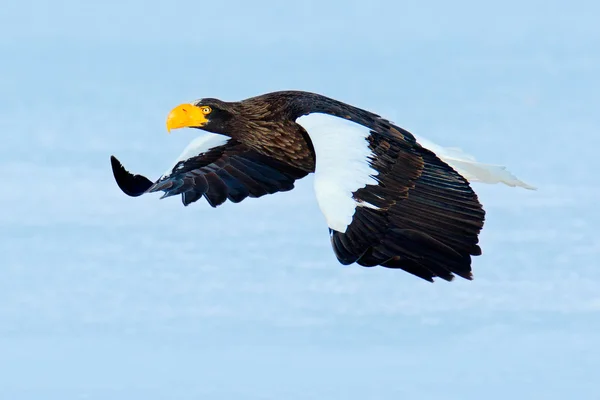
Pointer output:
388, 198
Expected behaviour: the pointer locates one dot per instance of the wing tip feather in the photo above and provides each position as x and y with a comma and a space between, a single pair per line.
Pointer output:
131, 184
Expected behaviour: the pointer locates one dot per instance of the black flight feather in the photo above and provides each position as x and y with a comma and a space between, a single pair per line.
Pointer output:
131, 184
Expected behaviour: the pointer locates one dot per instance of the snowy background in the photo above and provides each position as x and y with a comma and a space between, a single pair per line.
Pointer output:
107, 297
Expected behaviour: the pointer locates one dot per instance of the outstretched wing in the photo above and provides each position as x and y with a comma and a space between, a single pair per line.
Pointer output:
389, 201
215, 167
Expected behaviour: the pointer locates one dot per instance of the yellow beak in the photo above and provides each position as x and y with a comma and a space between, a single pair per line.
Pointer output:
185, 116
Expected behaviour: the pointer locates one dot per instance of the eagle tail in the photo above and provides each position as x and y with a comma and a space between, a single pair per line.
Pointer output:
472, 170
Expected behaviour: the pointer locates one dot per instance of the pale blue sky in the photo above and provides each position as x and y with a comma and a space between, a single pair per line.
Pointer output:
108, 297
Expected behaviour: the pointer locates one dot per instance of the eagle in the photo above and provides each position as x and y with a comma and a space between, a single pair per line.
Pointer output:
389, 198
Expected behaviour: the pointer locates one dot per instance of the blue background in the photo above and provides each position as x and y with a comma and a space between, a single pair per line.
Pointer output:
108, 297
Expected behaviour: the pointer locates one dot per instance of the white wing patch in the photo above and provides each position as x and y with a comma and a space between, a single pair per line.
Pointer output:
472, 170
196, 147
342, 165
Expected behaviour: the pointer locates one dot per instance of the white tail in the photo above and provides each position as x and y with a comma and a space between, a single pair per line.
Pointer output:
466, 165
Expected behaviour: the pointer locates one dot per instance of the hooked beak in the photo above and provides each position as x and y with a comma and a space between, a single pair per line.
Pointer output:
186, 116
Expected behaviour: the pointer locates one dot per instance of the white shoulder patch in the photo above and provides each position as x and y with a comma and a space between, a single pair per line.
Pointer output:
198, 146
342, 165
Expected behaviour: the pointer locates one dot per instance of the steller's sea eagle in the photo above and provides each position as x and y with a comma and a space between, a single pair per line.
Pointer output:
388, 198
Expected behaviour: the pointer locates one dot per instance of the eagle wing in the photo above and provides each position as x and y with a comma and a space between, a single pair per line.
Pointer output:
217, 168
389, 201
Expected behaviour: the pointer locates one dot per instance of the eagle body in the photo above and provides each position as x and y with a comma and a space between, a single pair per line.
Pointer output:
389, 199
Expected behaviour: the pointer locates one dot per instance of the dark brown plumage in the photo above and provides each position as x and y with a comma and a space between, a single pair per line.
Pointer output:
419, 215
